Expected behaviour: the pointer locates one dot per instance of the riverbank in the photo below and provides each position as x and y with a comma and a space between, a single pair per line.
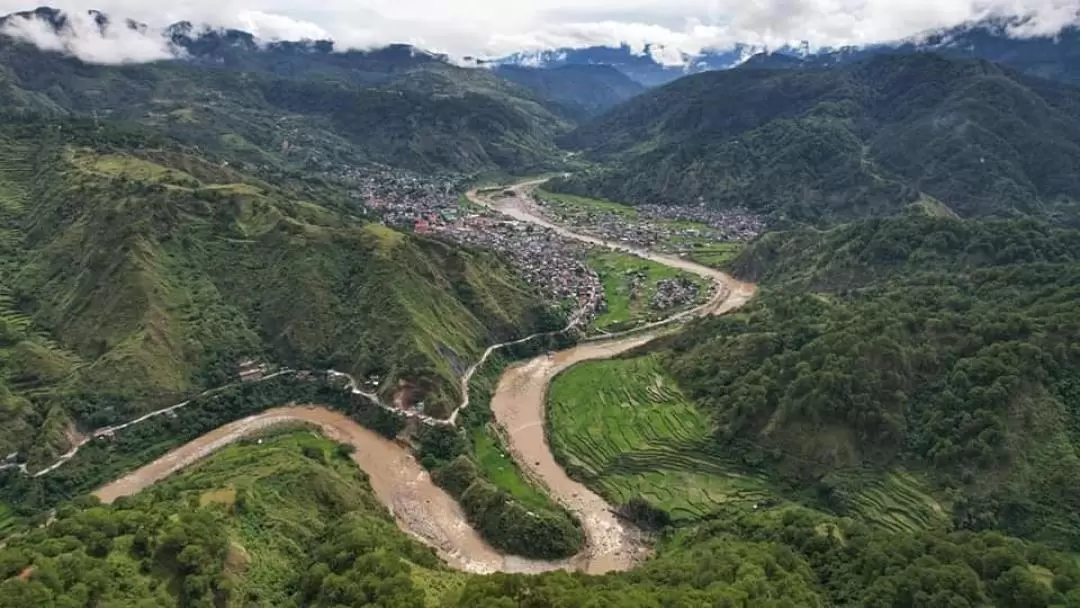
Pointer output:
429, 513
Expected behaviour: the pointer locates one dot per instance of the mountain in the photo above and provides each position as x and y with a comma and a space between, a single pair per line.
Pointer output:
585, 90
299, 105
1054, 57
136, 272
772, 61
860, 140
290, 520
920, 345
651, 66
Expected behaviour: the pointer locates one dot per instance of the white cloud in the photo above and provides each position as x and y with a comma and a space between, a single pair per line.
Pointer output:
84, 38
495, 27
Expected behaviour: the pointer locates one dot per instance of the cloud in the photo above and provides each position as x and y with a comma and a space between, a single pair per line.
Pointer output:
497, 27
83, 37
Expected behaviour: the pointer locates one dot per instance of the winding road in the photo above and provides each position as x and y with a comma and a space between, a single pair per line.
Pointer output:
425, 510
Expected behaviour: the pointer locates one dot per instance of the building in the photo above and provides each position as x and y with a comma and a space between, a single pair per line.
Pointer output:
251, 370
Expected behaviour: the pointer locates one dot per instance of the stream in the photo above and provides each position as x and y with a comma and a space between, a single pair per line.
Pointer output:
423, 509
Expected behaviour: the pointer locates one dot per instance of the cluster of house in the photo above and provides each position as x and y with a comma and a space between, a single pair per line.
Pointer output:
657, 227
673, 293
555, 265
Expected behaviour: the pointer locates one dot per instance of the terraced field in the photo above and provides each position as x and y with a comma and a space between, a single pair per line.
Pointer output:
15, 170
900, 503
626, 429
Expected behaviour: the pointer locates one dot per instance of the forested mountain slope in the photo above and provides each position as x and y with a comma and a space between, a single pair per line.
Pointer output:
863, 140
136, 272
936, 345
424, 116
290, 521
585, 90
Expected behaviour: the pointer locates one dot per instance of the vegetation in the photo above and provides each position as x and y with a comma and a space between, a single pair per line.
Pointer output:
624, 427
138, 273
290, 521
861, 140
472, 464
884, 353
107, 458
583, 90
629, 284
715, 255
296, 110
255, 524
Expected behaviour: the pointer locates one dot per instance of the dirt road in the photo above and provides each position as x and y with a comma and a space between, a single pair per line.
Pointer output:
730, 294
520, 397
423, 509
419, 506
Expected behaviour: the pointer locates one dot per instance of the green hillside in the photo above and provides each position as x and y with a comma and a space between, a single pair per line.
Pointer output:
428, 117
938, 346
290, 521
138, 272
861, 140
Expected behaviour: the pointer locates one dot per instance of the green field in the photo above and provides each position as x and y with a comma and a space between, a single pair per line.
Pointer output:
899, 502
569, 202
715, 255
627, 306
498, 467
625, 428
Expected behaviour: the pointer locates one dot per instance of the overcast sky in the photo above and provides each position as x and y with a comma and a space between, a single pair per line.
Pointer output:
496, 27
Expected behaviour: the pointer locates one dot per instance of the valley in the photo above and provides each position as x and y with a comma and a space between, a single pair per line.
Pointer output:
299, 323
518, 404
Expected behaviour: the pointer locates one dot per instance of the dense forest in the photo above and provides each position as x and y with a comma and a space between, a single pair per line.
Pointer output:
928, 344
302, 110
861, 140
135, 272
205, 538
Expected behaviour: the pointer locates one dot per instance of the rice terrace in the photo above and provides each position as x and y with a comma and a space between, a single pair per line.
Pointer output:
625, 428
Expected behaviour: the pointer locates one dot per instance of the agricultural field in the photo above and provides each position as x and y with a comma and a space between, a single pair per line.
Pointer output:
626, 429
498, 467
568, 203
630, 283
899, 502
714, 255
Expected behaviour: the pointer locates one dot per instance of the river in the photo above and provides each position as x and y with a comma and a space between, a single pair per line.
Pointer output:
426, 511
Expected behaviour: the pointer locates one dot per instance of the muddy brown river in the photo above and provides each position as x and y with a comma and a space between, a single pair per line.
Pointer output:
427, 512
419, 506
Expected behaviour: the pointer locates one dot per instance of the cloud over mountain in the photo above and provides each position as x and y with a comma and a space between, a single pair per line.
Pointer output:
91, 38
494, 27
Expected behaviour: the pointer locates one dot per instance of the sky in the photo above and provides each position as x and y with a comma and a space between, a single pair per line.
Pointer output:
489, 28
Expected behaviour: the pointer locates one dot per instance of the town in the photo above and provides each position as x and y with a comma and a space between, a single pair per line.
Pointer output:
669, 229
557, 266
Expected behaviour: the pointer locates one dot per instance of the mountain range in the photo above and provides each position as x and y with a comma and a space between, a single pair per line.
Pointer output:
1049, 56
860, 140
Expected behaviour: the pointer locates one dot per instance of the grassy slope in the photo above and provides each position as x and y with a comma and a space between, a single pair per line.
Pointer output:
160, 271
271, 501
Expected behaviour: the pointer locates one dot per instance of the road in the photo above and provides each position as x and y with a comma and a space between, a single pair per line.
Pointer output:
423, 509
520, 398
